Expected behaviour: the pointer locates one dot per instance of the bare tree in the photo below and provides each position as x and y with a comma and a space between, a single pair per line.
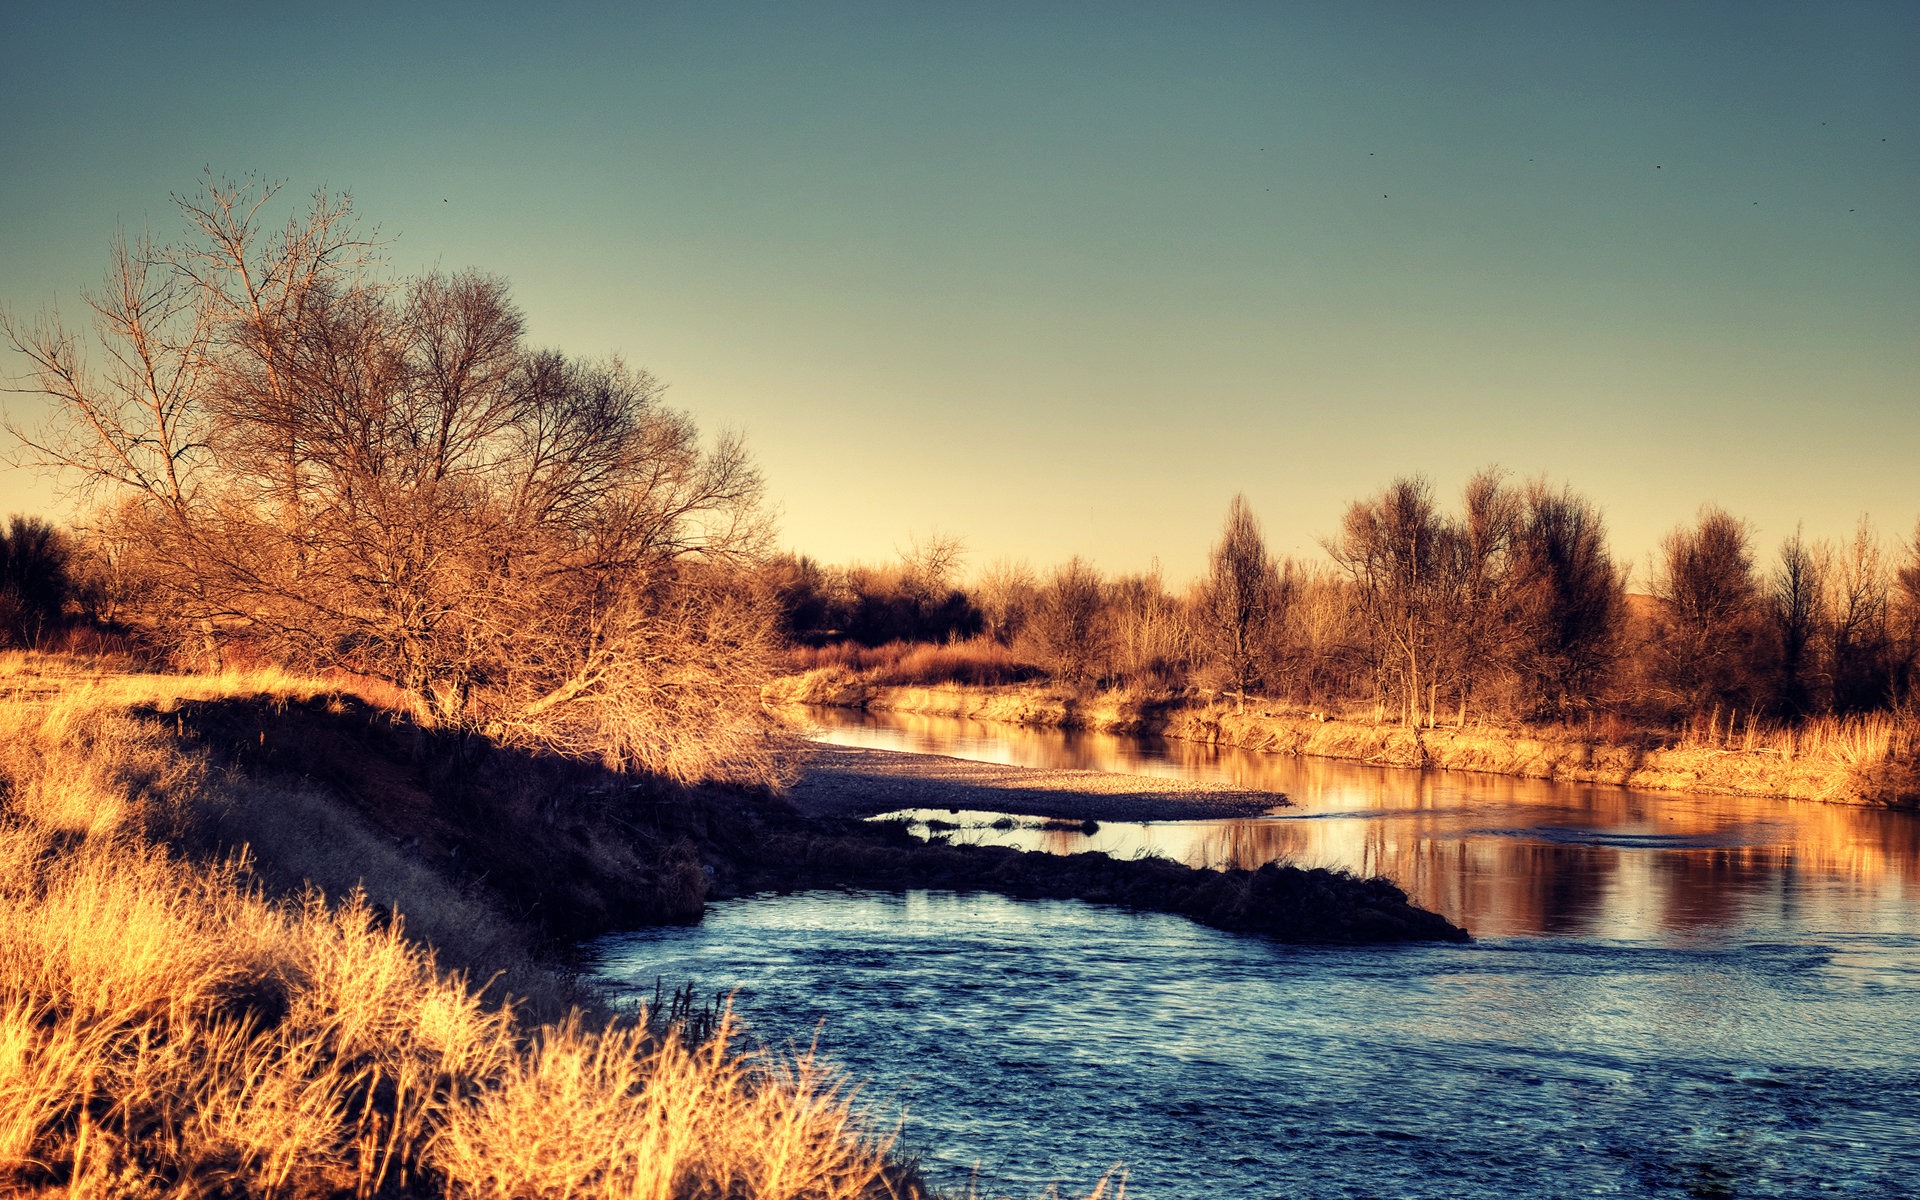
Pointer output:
1709, 606
1392, 548
353, 471
1006, 594
136, 422
1326, 635
1796, 608
1476, 628
1242, 600
261, 293
1904, 622
1512, 604
1855, 634
1151, 646
1569, 601
932, 563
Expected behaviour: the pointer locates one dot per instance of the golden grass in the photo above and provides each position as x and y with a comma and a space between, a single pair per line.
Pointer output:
1852, 740
111, 683
979, 662
565, 1119
168, 1029
1868, 760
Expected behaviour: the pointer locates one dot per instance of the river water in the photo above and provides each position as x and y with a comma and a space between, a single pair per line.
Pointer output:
1668, 995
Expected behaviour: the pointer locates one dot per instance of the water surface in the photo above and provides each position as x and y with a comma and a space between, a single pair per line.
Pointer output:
1496, 854
1670, 996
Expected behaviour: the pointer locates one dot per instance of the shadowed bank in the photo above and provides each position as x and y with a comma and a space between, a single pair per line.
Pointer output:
264, 938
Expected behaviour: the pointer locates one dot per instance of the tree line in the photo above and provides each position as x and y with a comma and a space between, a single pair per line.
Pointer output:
1508, 606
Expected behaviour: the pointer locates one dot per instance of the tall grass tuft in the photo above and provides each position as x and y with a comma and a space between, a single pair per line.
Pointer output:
609, 1113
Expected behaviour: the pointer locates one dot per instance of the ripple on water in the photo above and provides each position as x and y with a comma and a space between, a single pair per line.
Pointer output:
1047, 1041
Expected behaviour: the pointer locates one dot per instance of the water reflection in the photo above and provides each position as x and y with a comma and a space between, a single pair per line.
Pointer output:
1497, 854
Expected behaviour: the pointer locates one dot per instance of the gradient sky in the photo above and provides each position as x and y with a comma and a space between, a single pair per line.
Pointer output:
1061, 279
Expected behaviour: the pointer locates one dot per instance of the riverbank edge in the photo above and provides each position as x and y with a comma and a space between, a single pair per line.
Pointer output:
207, 882
1532, 754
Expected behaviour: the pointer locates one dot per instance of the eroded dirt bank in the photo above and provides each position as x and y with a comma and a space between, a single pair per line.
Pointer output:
1833, 777
567, 851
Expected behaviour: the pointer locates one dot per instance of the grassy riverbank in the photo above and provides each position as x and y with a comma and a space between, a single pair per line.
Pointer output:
262, 936
216, 980
1867, 761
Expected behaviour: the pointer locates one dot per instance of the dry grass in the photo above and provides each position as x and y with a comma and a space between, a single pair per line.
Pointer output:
565, 1118
1850, 740
1872, 760
113, 682
169, 1029
981, 662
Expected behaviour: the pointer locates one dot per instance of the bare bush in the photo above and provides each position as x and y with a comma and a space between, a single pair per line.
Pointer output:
1068, 633
1005, 594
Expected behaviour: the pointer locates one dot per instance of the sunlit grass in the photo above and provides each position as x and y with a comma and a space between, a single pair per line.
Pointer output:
111, 682
979, 662
1853, 740
168, 1028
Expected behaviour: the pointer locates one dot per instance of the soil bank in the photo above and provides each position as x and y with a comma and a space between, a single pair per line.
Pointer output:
567, 850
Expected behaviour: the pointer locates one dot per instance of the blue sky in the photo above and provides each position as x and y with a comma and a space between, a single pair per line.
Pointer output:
1062, 278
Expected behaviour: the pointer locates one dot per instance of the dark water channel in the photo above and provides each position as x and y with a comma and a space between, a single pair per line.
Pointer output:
1668, 996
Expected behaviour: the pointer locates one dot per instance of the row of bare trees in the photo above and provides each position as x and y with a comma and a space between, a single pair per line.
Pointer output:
1509, 605
295, 451
1832, 626
917, 599
1512, 601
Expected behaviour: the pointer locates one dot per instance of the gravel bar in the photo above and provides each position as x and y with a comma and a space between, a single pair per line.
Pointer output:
846, 781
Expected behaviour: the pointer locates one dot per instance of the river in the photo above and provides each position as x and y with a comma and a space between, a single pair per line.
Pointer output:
1668, 995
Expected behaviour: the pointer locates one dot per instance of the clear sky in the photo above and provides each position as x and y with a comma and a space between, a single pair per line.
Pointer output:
1062, 278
